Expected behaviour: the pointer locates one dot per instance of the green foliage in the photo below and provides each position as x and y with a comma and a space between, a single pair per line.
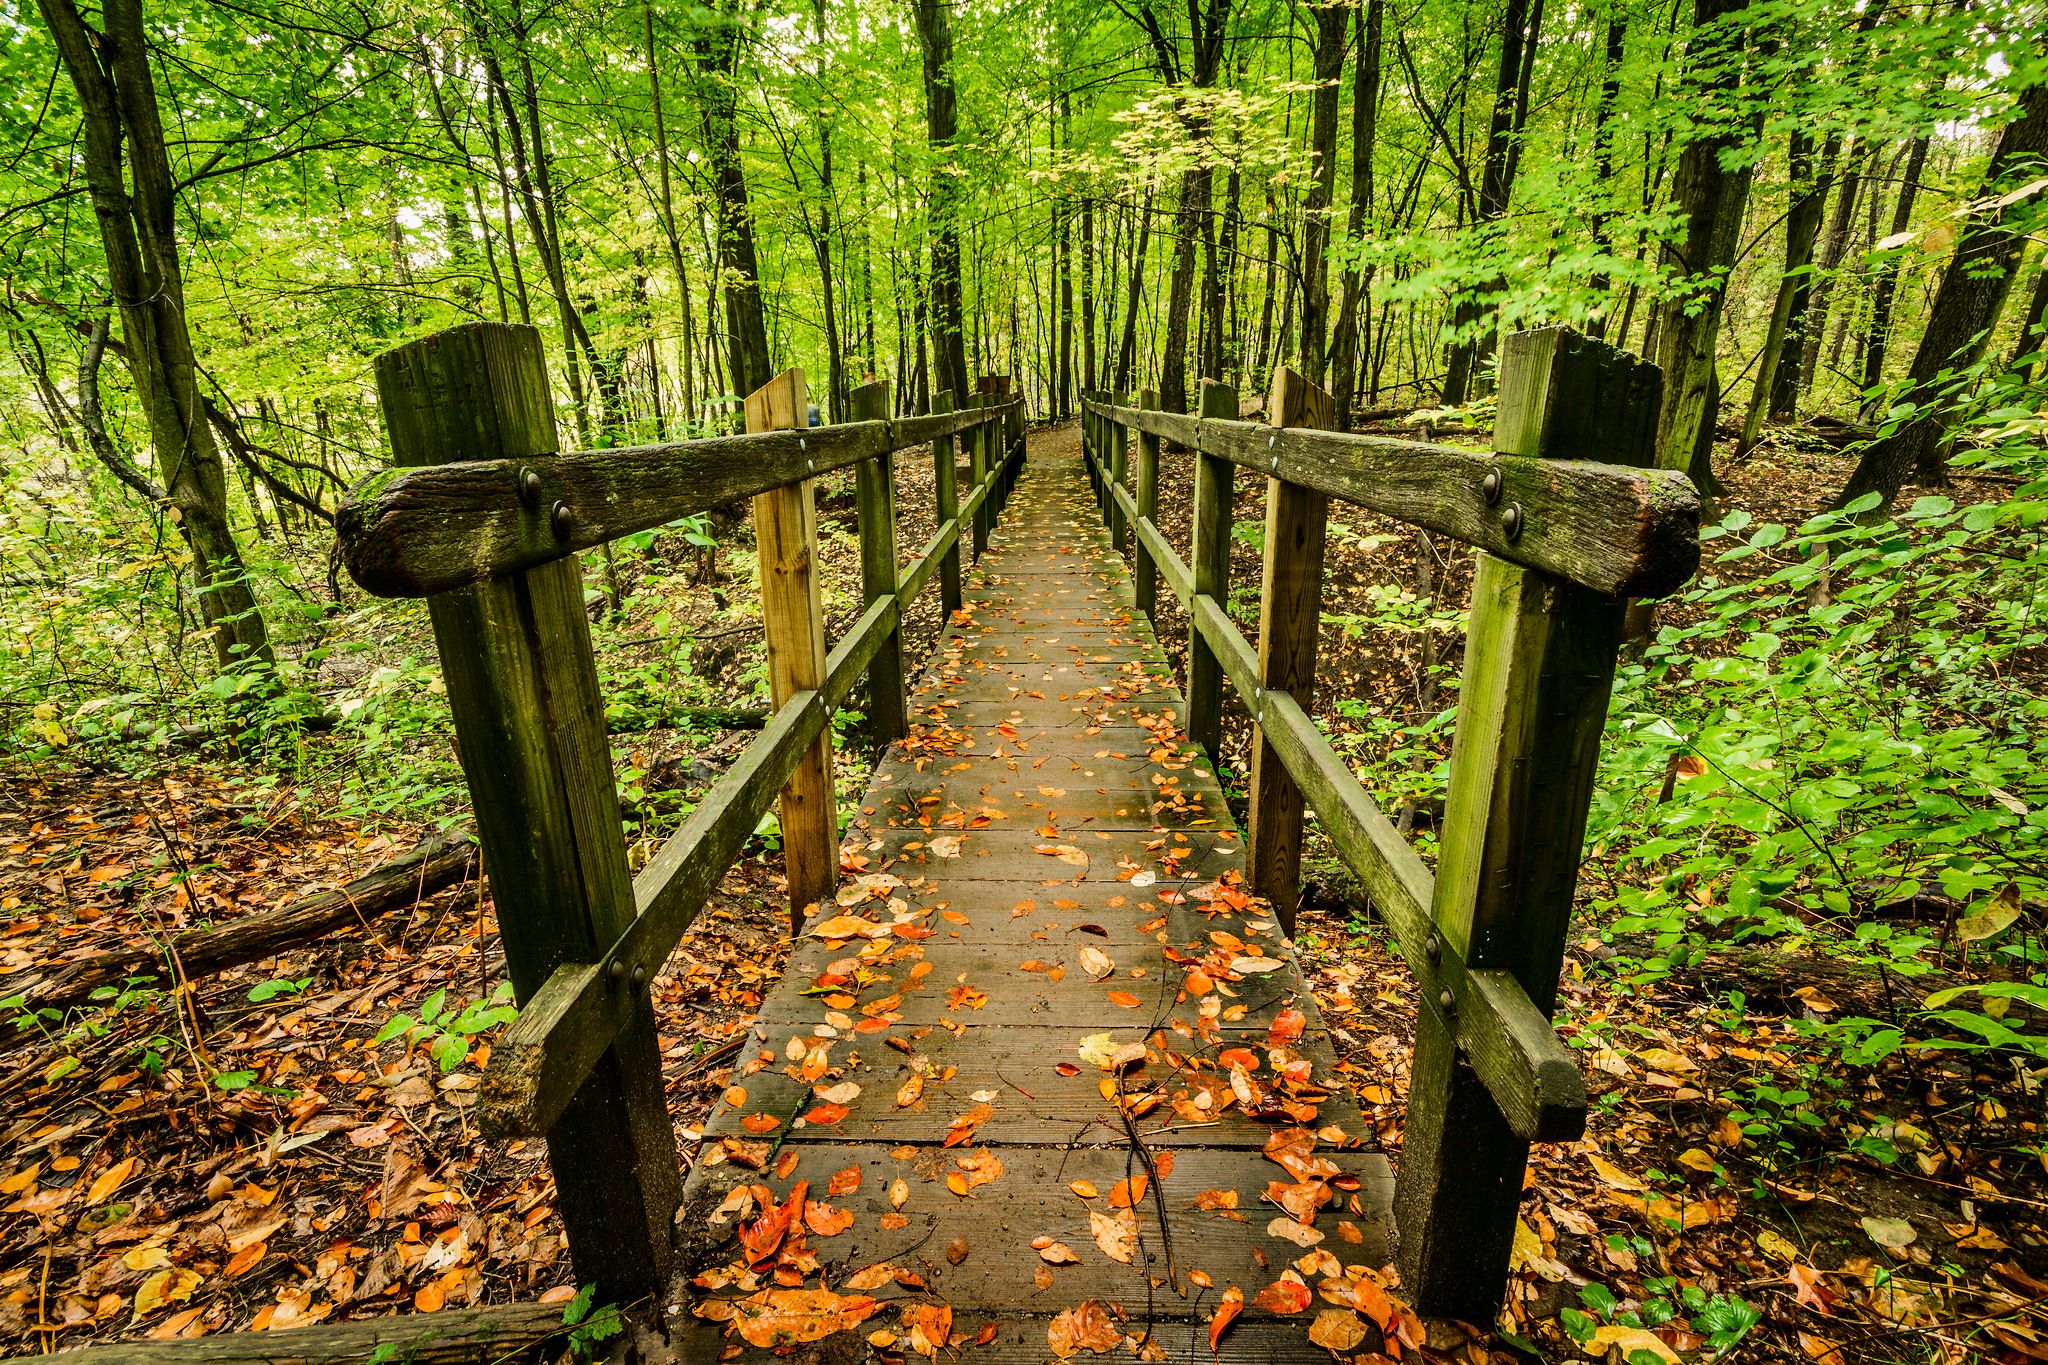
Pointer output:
448, 1031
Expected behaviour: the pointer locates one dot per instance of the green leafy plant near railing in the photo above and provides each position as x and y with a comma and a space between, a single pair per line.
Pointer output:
448, 1031
1834, 753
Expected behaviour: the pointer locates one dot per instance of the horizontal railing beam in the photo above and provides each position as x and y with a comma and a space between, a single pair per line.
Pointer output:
418, 531
1617, 530
1525, 1066
565, 1028
570, 1021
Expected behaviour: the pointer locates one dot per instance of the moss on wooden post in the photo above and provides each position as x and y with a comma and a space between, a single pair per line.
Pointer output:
947, 496
1209, 558
1290, 614
515, 653
1539, 661
1146, 497
875, 496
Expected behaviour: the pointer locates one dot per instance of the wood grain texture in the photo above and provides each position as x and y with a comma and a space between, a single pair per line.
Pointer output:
1290, 619
793, 616
947, 499
1145, 484
499, 1332
522, 687
1621, 531
1209, 559
1540, 657
875, 498
414, 532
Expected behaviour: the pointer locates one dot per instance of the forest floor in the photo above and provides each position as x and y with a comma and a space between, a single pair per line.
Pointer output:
260, 1150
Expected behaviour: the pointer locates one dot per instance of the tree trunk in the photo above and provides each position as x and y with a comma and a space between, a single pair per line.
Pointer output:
949, 349
1809, 190
1473, 341
111, 72
1834, 245
1603, 167
716, 48
1187, 225
1365, 100
1886, 290
1091, 377
1331, 22
1710, 202
435, 864
1966, 306
1127, 349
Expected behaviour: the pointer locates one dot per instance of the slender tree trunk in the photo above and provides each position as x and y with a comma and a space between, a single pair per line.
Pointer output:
1365, 99
1091, 377
1603, 164
1187, 225
1809, 190
135, 201
715, 48
935, 35
1887, 286
1127, 349
1473, 337
1966, 306
1332, 20
1710, 200
1834, 244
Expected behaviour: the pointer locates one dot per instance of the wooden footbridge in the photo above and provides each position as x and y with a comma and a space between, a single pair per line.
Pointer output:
1042, 1075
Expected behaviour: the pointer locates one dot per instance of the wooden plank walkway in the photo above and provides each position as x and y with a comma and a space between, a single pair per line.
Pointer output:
1042, 873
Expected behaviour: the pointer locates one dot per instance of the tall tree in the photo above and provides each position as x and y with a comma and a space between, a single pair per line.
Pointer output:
1365, 105
1808, 189
1472, 340
1331, 20
716, 40
1973, 289
1710, 198
942, 127
135, 200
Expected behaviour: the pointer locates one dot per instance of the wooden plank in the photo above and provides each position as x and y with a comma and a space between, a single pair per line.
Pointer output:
417, 531
978, 443
1209, 559
947, 501
875, 498
459, 1336
1146, 483
1290, 618
997, 1222
793, 617
1539, 663
1619, 530
522, 687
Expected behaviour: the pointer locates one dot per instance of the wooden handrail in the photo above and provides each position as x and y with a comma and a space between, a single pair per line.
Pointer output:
1617, 530
1562, 539
563, 1030
418, 531
1527, 1070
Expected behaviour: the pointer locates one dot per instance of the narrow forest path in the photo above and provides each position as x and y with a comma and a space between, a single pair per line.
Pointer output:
1043, 1009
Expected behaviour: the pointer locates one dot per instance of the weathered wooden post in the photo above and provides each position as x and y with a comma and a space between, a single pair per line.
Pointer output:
793, 616
1119, 476
875, 498
1290, 614
515, 655
1144, 574
1539, 662
978, 466
947, 496
1210, 552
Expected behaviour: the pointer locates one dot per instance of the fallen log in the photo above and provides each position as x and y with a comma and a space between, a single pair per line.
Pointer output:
503, 1332
435, 864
